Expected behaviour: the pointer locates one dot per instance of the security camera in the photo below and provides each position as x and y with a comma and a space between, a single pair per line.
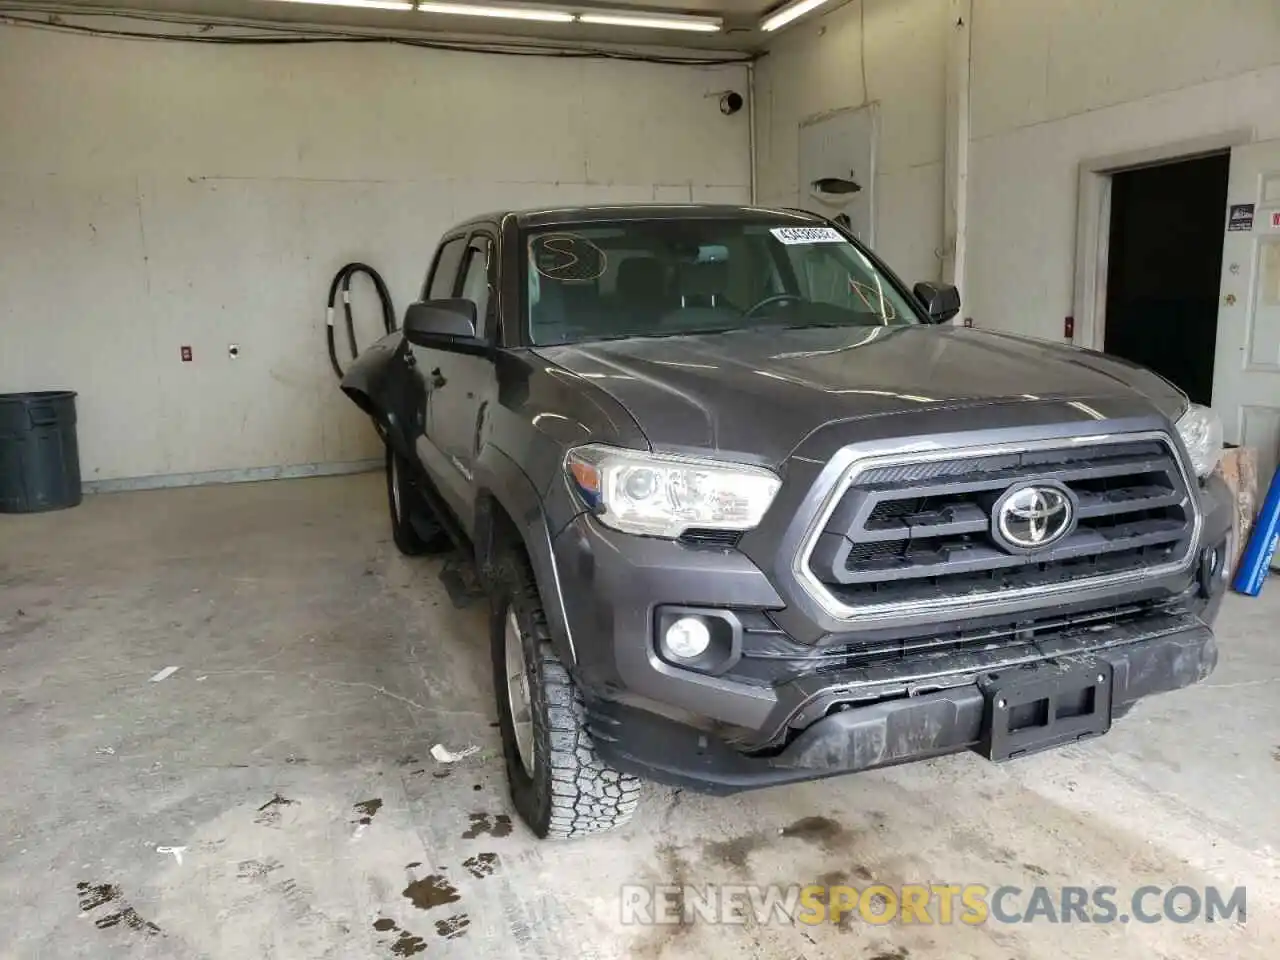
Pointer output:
730, 103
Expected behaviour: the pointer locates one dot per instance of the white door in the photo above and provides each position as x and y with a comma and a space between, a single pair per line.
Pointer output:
837, 150
1246, 377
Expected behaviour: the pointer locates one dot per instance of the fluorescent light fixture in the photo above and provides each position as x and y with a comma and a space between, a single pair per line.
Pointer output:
792, 11
506, 13
650, 22
371, 4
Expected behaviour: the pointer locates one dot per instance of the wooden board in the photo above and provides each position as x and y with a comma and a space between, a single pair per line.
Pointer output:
1239, 468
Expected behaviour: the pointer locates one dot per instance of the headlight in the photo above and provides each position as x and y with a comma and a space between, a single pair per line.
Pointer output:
1201, 432
662, 496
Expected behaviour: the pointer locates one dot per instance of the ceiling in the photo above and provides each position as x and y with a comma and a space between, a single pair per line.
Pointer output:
741, 18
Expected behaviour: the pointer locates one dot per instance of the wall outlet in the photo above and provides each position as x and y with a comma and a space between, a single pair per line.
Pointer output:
185, 352
233, 350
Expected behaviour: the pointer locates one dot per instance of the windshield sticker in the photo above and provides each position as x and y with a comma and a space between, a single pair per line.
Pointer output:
793, 236
567, 257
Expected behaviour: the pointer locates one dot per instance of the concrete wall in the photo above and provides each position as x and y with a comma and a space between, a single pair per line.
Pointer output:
155, 195
898, 47
1058, 82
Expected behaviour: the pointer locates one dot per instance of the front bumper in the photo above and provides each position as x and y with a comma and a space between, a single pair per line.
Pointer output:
806, 720
878, 735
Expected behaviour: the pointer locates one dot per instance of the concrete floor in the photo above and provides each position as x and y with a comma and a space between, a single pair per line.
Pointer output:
287, 762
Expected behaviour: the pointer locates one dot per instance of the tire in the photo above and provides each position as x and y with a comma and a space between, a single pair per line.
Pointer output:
405, 504
570, 791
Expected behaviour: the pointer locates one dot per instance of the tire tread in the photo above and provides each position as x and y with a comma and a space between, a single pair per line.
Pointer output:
586, 795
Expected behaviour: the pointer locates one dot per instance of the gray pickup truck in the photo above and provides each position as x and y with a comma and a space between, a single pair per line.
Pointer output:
749, 512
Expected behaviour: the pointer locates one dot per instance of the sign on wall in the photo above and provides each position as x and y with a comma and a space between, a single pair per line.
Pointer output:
1241, 218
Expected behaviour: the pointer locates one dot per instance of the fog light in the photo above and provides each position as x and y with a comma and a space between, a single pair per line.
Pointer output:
697, 638
687, 638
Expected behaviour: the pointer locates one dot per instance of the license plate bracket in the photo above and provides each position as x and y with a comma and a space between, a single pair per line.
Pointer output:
1050, 705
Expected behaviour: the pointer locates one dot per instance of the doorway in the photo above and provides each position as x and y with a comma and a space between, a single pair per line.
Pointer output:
1164, 266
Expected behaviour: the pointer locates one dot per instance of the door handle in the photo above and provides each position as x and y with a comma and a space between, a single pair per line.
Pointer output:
437, 379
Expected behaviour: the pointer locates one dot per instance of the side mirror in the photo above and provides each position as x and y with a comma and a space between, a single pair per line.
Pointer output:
441, 323
941, 300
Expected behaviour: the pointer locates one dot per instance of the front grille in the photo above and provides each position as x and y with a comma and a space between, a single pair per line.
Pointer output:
908, 532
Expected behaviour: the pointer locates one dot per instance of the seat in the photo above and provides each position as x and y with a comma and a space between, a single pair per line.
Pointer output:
703, 284
641, 296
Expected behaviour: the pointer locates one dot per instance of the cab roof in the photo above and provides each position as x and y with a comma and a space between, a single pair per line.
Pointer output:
559, 216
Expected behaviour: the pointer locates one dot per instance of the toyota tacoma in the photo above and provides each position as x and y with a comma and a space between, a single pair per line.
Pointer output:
749, 511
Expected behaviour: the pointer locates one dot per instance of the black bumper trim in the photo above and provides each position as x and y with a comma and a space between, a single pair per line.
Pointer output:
877, 735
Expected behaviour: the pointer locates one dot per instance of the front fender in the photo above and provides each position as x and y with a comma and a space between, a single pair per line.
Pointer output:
501, 481
382, 384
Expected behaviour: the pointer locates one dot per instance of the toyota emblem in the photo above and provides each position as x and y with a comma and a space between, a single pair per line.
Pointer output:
1034, 516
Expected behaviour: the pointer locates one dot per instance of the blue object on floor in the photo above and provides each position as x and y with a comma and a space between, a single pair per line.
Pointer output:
1256, 559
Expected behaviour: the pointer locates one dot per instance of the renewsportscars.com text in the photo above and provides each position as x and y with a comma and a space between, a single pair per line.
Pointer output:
935, 903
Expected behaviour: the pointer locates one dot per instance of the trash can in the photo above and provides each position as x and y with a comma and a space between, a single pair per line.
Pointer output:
39, 455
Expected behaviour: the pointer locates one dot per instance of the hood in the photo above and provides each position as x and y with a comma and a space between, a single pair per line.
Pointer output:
761, 392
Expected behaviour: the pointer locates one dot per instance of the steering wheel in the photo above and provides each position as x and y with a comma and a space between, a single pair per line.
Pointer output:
775, 298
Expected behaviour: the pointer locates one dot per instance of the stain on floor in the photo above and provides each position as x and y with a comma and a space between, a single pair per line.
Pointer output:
367, 810
431, 891
95, 895
406, 944
832, 878
269, 812
736, 851
676, 871
820, 831
256, 869
481, 865
453, 927
484, 823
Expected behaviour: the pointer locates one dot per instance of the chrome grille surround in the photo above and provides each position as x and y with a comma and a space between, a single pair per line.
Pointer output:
914, 464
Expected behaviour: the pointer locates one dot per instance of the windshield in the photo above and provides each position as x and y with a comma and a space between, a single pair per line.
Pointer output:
666, 277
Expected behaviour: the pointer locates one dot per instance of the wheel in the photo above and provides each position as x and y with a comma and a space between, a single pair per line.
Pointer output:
407, 506
559, 786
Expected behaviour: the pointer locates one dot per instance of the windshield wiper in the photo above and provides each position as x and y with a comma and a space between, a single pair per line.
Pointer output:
623, 336
758, 327
816, 326
716, 331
